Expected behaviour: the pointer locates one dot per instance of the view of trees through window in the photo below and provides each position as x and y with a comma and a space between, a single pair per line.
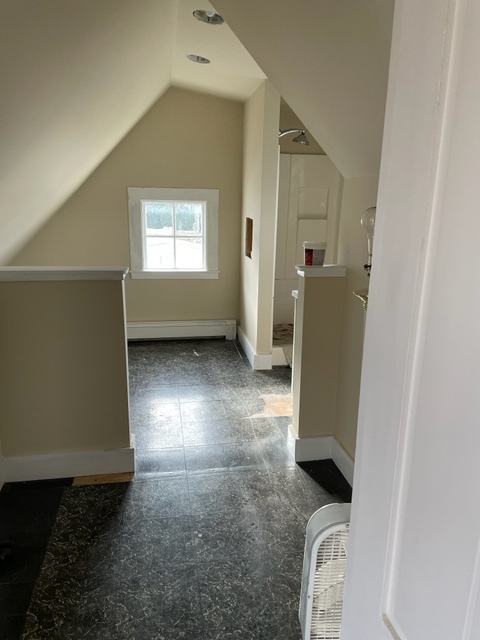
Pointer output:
174, 235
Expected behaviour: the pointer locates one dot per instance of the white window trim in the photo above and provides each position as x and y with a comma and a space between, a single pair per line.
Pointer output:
138, 194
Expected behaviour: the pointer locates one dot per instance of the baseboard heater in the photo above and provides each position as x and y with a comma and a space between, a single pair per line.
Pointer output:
182, 329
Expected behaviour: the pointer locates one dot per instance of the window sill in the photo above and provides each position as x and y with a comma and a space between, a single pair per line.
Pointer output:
174, 275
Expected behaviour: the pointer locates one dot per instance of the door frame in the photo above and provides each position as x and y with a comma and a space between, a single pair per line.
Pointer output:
421, 118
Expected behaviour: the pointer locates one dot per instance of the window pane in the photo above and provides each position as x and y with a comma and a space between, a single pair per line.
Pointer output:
189, 253
159, 218
189, 218
159, 253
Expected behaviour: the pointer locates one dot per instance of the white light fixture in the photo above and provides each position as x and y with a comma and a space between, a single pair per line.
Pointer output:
199, 59
210, 17
368, 224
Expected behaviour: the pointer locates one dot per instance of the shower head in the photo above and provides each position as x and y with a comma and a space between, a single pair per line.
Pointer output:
301, 138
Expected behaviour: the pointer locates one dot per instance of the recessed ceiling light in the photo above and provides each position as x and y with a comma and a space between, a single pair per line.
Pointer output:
210, 17
199, 59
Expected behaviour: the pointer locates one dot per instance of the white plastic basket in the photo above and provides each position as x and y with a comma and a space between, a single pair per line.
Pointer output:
324, 564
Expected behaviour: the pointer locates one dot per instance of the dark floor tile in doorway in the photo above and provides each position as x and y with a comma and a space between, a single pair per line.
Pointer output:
327, 474
11, 627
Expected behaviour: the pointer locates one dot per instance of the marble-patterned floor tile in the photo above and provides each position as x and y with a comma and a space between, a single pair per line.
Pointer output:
275, 453
265, 427
92, 508
233, 591
284, 423
210, 492
154, 463
202, 411
154, 542
223, 431
158, 498
237, 596
165, 436
156, 602
244, 408
198, 393
248, 531
207, 542
282, 630
155, 414
223, 457
297, 493
165, 394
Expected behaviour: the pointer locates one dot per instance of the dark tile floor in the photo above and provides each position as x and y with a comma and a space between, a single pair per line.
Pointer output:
207, 542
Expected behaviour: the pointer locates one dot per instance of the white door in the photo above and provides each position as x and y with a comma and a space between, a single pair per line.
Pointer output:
414, 564
313, 209
309, 198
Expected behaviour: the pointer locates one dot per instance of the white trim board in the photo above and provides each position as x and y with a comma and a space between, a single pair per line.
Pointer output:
278, 357
69, 465
324, 448
32, 274
257, 361
182, 329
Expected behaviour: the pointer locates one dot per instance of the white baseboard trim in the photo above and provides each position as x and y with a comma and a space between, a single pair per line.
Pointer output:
324, 448
68, 465
318, 448
257, 361
343, 461
182, 329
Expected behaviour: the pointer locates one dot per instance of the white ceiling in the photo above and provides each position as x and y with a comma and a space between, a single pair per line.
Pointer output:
232, 72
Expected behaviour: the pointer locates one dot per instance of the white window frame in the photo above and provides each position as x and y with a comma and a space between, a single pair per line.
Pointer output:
138, 195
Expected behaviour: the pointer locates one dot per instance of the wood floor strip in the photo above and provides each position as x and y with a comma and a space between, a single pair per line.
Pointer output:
106, 479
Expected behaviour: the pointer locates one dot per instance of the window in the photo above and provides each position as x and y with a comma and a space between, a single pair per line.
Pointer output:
173, 232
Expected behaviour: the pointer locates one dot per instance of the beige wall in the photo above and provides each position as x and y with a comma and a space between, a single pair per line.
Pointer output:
358, 195
260, 181
318, 328
63, 380
189, 140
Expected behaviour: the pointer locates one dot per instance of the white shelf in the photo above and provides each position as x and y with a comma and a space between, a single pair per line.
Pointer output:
327, 271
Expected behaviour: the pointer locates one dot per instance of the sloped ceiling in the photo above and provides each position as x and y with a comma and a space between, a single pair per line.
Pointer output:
233, 73
329, 61
76, 76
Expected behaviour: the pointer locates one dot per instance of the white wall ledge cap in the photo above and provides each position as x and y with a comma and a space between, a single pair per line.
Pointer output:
327, 271
27, 274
